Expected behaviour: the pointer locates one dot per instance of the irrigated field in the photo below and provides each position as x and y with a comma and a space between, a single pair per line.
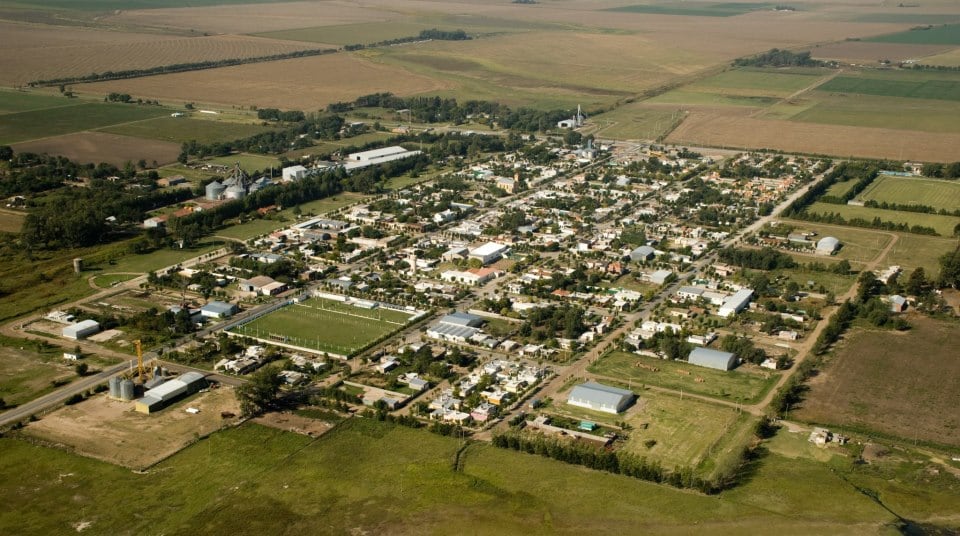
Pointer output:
31, 125
943, 225
934, 193
302, 83
181, 129
325, 325
905, 384
735, 385
96, 147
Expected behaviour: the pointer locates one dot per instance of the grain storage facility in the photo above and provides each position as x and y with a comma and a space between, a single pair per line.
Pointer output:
165, 394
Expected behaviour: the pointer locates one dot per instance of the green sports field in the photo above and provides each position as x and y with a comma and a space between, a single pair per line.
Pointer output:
325, 325
943, 225
934, 193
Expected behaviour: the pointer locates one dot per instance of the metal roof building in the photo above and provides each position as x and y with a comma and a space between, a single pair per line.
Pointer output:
81, 330
161, 396
599, 397
218, 309
642, 253
715, 359
735, 303
828, 245
462, 319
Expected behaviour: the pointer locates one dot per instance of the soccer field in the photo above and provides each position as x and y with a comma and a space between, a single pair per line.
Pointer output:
325, 325
938, 194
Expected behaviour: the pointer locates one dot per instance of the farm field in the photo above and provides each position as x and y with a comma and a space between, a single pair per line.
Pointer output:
869, 52
913, 85
254, 480
325, 325
695, 9
947, 59
738, 131
635, 121
351, 34
11, 221
43, 62
944, 225
750, 84
947, 34
110, 430
904, 384
23, 101
183, 129
301, 83
939, 194
96, 147
43, 123
736, 385
867, 111
858, 245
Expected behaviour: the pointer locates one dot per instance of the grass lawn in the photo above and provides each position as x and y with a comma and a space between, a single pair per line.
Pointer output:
108, 280
858, 245
23, 101
835, 283
941, 224
30, 125
840, 188
27, 369
182, 129
913, 251
248, 162
939, 194
160, 258
325, 325
727, 385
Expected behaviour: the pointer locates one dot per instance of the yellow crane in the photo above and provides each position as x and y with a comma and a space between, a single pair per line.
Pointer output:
139, 359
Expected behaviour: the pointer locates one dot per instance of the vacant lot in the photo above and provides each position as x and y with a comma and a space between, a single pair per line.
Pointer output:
27, 370
722, 130
934, 193
182, 129
302, 83
112, 431
96, 147
902, 384
944, 225
325, 325
947, 34
912, 251
743, 385
31, 125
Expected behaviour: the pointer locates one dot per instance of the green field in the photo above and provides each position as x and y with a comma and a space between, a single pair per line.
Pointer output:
182, 129
22, 101
857, 245
635, 121
913, 251
325, 325
837, 284
130, 263
695, 9
30, 125
254, 228
839, 189
869, 111
947, 34
379, 478
934, 193
109, 280
918, 86
248, 162
943, 225
747, 387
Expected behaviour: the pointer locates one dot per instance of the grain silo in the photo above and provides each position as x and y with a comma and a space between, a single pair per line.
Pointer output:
126, 390
114, 387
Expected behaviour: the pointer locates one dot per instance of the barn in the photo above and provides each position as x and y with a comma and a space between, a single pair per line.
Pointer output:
715, 359
599, 397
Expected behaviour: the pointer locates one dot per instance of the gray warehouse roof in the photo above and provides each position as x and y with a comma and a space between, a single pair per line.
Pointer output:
715, 359
462, 319
828, 243
601, 397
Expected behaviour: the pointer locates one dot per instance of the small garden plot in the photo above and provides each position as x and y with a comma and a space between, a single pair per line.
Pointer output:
326, 325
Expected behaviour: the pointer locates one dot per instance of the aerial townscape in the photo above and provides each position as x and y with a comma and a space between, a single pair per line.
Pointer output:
479, 267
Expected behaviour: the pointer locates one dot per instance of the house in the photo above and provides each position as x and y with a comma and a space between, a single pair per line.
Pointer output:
735, 303
599, 397
218, 309
715, 359
828, 245
898, 304
81, 330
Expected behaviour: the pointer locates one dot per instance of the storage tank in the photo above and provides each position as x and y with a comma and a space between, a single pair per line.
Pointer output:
214, 190
126, 390
235, 192
114, 387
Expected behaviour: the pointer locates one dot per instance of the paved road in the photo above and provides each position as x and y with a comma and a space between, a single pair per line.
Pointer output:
37, 405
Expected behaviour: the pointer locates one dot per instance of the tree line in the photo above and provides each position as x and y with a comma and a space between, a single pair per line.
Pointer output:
435, 34
776, 57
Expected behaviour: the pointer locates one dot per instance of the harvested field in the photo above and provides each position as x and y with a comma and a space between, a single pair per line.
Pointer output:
902, 384
745, 132
947, 59
96, 147
869, 53
43, 61
939, 194
110, 430
302, 83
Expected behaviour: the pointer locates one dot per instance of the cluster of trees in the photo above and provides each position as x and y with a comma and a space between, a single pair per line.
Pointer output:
942, 171
556, 320
297, 136
743, 348
260, 392
274, 114
594, 457
435, 34
778, 58
922, 209
756, 259
176, 68
950, 269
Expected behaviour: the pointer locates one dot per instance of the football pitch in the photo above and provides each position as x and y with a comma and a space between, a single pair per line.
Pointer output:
325, 325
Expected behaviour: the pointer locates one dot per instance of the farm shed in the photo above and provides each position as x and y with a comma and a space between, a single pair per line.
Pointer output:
828, 245
715, 359
489, 252
599, 397
218, 309
163, 395
735, 303
81, 330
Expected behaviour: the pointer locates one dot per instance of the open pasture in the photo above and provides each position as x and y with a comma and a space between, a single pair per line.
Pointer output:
905, 384
182, 129
695, 9
635, 121
943, 225
914, 85
939, 194
871, 111
31, 125
705, 127
857, 245
27, 370
743, 385
96, 147
325, 325
946, 34
912, 251
302, 83
869, 52
24, 101
44, 62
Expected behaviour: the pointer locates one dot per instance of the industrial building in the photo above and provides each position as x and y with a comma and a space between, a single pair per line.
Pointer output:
218, 309
489, 252
377, 156
168, 392
599, 397
293, 173
642, 253
81, 330
735, 303
828, 245
456, 327
715, 359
